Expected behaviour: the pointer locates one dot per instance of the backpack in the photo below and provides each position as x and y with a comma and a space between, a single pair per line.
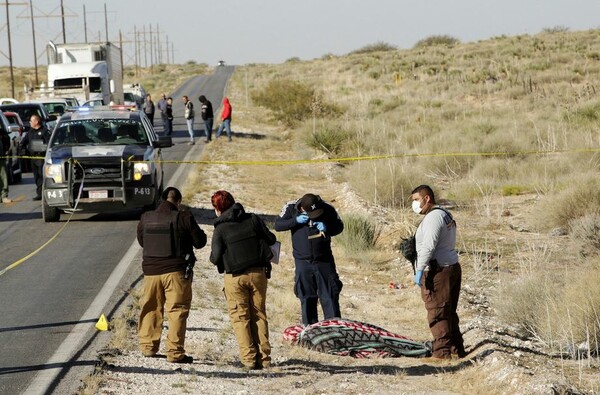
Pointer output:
160, 235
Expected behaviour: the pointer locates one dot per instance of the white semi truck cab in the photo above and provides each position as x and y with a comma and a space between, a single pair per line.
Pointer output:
86, 71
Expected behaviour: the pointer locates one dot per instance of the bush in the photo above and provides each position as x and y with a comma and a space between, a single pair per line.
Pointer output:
579, 199
585, 231
512, 190
437, 40
555, 29
360, 233
589, 113
379, 46
383, 182
562, 316
531, 318
327, 139
293, 102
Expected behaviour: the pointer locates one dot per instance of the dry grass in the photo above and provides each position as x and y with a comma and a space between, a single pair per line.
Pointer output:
439, 100
537, 94
499, 195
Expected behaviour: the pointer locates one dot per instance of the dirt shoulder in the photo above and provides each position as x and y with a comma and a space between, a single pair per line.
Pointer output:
499, 361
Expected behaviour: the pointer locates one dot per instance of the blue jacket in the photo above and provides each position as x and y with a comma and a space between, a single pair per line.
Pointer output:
316, 249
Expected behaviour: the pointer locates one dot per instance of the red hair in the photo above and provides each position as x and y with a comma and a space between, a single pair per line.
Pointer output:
222, 200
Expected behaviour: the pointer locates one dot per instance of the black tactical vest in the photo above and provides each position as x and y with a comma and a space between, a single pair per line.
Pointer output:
161, 236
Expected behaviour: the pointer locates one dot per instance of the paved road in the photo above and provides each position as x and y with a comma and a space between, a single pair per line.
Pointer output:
58, 293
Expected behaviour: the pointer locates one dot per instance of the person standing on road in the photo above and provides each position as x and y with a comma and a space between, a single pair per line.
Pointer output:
35, 141
438, 273
207, 117
239, 248
312, 223
4, 153
168, 237
162, 107
169, 112
149, 109
189, 117
225, 120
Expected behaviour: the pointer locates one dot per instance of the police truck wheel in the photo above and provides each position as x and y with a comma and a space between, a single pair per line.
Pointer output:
50, 214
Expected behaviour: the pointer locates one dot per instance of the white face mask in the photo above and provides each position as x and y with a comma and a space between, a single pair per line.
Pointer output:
416, 207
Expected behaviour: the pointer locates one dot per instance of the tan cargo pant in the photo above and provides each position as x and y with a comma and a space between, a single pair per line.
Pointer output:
245, 294
171, 292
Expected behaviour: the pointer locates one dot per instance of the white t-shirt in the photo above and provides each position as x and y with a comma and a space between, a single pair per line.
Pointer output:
436, 239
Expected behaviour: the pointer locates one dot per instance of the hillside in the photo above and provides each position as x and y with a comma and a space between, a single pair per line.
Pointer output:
506, 132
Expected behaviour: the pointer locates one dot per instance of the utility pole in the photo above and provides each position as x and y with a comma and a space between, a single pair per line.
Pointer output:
121, 46
85, 24
106, 24
62, 13
151, 49
44, 15
37, 81
167, 39
136, 47
158, 49
10, 58
145, 49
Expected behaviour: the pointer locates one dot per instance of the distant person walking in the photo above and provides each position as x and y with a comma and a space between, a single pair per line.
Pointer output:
169, 112
438, 273
149, 109
4, 152
168, 237
207, 117
237, 250
35, 141
189, 117
225, 120
162, 107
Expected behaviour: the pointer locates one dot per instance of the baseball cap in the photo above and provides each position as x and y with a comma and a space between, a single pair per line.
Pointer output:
312, 205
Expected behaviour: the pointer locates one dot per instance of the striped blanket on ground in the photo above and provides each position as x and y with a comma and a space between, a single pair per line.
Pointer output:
355, 339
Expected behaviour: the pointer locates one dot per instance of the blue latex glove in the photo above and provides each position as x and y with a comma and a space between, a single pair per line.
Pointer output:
418, 276
320, 226
302, 219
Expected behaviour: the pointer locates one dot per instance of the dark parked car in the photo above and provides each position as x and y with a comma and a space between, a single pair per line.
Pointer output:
16, 125
102, 160
26, 110
13, 165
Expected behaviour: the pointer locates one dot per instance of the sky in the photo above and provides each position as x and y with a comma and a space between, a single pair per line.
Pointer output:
272, 31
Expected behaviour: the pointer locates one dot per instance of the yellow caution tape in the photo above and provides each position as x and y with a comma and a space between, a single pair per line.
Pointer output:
354, 159
373, 157
17, 263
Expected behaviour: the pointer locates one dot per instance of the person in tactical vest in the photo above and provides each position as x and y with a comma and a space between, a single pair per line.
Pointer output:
240, 248
168, 237
35, 141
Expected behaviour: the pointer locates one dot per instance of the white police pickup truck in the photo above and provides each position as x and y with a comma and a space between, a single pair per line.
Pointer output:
102, 160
